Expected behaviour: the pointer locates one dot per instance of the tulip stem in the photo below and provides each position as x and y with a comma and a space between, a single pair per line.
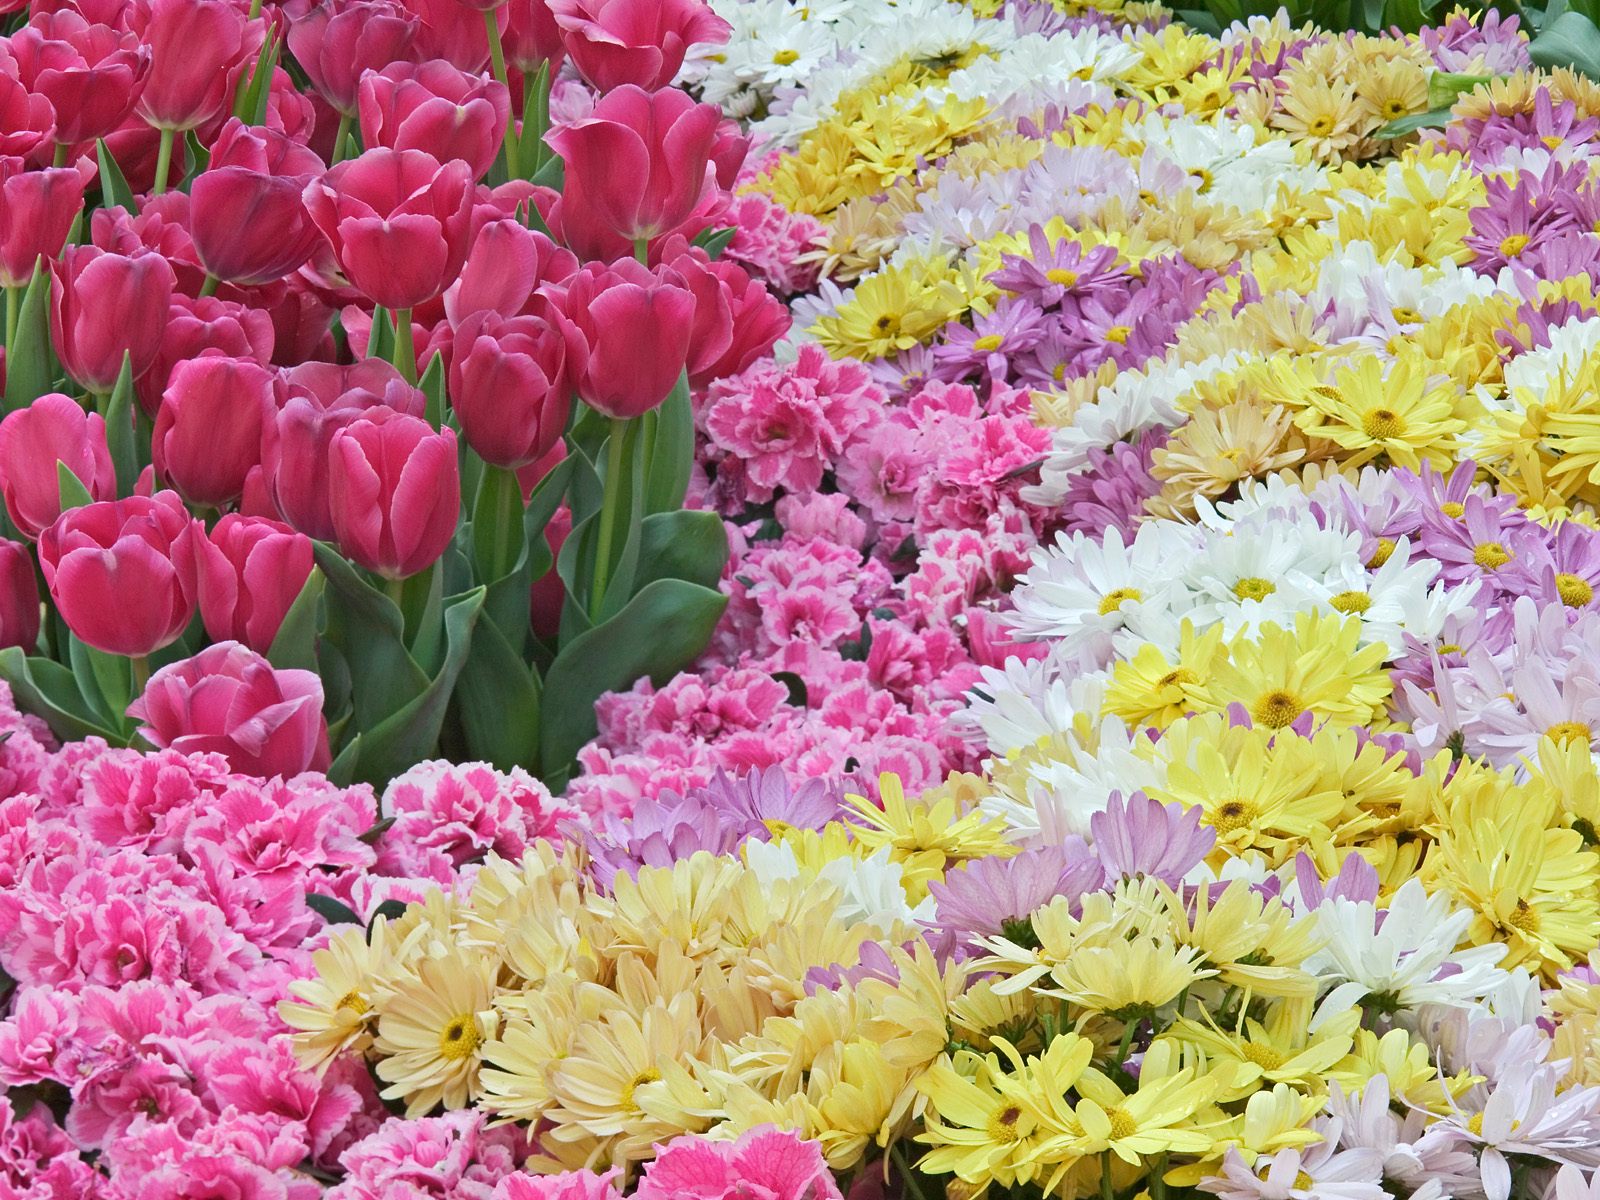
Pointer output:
255, 9
141, 674
497, 57
339, 136
163, 161
497, 523
209, 287
63, 152
536, 109
610, 506
405, 350
641, 251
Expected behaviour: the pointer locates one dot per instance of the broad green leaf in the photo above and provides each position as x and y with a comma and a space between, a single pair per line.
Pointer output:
432, 385
30, 362
1437, 119
498, 699
334, 912
119, 429
1571, 40
114, 189
715, 241
369, 631
687, 545
1444, 88
671, 451
295, 644
70, 487
48, 690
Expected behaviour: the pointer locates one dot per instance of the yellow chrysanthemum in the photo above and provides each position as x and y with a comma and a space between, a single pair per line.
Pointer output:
432, 1028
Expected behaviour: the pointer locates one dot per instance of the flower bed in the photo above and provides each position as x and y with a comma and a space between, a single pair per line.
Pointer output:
1148, 745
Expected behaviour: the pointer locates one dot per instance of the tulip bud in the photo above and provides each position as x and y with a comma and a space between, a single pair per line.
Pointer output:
54, 428
110, 572
337, 41
194, 46
37, 209
642, 42
209, 429
395, 492
508, 260
640, 160
103, 306
245, 574
91, 74
27, 122
19, 598
434, 107
398, 222
509, 384
532, 37
228, 700
249, 222
637, 324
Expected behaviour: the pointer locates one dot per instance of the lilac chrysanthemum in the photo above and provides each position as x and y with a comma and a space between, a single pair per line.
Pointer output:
995, 896
1140, 836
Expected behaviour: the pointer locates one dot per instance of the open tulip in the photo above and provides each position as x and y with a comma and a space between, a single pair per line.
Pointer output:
209, 429
19, 597
91, 74
395, 490
736, 320
228, 700
398, 221
109, 567
249, 220
245, 574
337, 41
37, 209
509, 384
194, 47
103, 306
637, 324
640, 160
433, 106
53, 429
616, 42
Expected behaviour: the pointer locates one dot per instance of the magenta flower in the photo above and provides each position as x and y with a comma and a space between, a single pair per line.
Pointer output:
1056, 272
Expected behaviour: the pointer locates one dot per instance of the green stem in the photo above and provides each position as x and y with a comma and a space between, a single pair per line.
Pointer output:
610, 505
63, 151
13, 315
395, 589
340, 135
641, 250
210, 286
906, 1173
1127, 1041
405, 350
163, 161
255, 9
1158, 1181
497, 523
497, 58
1106, 1191
141, 674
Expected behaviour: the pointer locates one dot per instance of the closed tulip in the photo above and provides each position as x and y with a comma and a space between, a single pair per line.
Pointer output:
194, 47
53, 429
532, 37
640, 160
109, 567
91, 74
244, 575
249, 220
209, 429
507, 261
642, 42
337, 41
399, 222
395, 490
509, 384
37, 209
19, 597
637, 325
435, 107
27, 120
105, 305
229, 700
196, 327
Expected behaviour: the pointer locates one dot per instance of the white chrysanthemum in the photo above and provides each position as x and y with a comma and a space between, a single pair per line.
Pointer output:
872, 890
1064, 794
1267, 569
1024, 701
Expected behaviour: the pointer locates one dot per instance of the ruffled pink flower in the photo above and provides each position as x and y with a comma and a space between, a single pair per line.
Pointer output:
763, 1162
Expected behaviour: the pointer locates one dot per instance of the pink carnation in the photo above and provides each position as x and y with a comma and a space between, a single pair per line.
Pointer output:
763, 1162
774, 243
570, 1185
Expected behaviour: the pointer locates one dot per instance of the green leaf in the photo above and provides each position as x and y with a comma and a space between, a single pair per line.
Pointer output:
343, 771
199, 158
334, 912
411, 734
119, 429
432, 385
796, 686
687, 545
250, 105
377, 830
658, 633
114, 189
715, 241
389, 910
552, 175
499, 543
1444, 88
380, 342
671, 451
294, 646
73, 493
498, 699
48, 690
1436, 119
105, 681
369, 631
1571, 40
30, 362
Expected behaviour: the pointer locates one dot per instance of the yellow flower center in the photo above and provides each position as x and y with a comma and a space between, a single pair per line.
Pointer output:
1202, 179
1475, 1124
1351, 602
784, 57
1003, 1125
354, 1001
1574, 592
1061, 277
1303, 1181
1113, 600
1253, 587
1264, 1057
1381, 423
1453, 509
1381, 554
1122, 1125
1148, 197
1119, 334
460, 1038
1395, 109
988, 342
1173, 678
1491, 556
643, 1077
1405, 316
887, 324
1450, 648
1513, 244
1320, 127
1551, 141
1569, 732
1277, 710
1523, 917
1235, 814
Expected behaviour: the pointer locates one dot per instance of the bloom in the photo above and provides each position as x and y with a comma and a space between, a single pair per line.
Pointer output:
394, 492
106, 306
244, 575
618, 42
33, 440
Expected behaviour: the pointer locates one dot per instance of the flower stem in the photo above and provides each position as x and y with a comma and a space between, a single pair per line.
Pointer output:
340, 135
1106, 1191
141, 674
255, 9
497, 523
641, 251
609, 514
163, 161
405, 350
906, 1173
497, 57
63, 152
210, 286
536, 108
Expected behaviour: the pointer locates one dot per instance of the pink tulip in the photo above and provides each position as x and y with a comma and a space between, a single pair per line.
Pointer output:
337, 41
228, 700
27, 119
433, 106
91, 74
110, 572
103, 306
37, 209
54, 428
208, 432
509, 384
322, 399
245, 574
249, 221
507, 261
195, 45
736, 320
616, 42
398, 222
196, 327
637, 324
454, 30
395, 488
640, 161
19, 597
532, 37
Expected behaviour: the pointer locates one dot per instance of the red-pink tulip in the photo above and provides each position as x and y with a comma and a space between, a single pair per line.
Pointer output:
640, 161
507, 261
509, 384
244, 575
194, 47
453, 31
27, 119
195, 327
54, 428
248, 220
433, 106
228, 700
336, 41
395, 489
637, 324
162, 225
615, 42
322, 399
208, 432
103, 306
736, 320
110, 572
37, 209
91, 74
532, 37
398, 222
19, 597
